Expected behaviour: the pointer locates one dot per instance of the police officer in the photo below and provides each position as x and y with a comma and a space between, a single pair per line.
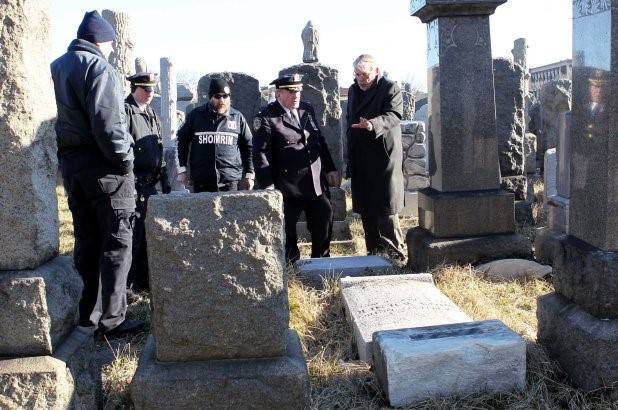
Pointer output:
220, 142
291, 155
96, 161
149, 168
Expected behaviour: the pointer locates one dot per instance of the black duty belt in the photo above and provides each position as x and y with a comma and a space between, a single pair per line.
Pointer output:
147, 181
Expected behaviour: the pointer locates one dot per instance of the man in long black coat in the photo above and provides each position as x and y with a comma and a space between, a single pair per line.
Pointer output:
375, 156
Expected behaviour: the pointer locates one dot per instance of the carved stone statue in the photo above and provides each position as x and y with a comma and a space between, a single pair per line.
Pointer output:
311, 39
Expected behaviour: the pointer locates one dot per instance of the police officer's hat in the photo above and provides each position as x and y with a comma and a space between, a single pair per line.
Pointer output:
145, 80
292, 82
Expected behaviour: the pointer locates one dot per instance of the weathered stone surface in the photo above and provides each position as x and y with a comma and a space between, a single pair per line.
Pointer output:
517, 184
266, 383
321, 89
505, 270
555, 98
549, 175
509, 85
453, 359
583, 345
29, 211
563, 155
545, 242
587, 276
169, 117
44, 302
523, 213
407, 91
417, 182
122, 56
473, 213
38, 383
245, 92
315, 270
218, 288
529, 153
426, 252
376, 303
410, 206
558, 213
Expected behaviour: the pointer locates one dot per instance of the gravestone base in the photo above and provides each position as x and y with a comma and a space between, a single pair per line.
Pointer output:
314, 270
583, 345
587, 276
558, 213
469, 213
453, 359
426, 252
262, 383
545, 242
70, 379
410, 207
523, 213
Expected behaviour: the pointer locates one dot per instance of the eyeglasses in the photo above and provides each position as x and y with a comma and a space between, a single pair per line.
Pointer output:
221, 96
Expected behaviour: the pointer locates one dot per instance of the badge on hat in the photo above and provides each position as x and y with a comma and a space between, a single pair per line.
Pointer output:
292, 82
145, 80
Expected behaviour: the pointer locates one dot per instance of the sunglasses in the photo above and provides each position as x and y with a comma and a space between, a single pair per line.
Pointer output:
220, 96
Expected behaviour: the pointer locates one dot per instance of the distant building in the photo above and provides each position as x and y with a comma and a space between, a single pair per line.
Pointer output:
562, 70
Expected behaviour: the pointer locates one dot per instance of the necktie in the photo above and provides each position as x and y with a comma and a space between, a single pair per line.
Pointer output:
295, 116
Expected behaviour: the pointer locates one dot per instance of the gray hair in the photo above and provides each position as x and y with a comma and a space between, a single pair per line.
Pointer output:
365, 62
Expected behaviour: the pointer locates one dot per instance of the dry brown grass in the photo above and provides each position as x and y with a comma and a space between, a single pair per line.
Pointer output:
340, 381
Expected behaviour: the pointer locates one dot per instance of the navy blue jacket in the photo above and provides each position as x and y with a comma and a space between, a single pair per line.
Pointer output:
294, 159
220, 145
91, 126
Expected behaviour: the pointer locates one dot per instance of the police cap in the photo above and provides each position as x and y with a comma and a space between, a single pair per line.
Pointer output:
292, 82
145, 80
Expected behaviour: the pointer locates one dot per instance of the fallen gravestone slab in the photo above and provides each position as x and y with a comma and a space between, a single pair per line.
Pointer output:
314, 270
511, 269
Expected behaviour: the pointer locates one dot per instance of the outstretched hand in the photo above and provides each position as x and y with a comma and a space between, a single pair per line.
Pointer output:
363, 123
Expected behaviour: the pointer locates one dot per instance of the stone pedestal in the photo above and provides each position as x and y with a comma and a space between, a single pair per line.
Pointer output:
585, 346
426, 251
464, 198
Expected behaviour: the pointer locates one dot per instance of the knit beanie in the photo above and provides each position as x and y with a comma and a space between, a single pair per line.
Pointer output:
95, 28
217, 86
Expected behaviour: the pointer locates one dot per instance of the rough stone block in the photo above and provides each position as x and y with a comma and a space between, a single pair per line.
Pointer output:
471, 213
315, 270
267, 383
517, 184
216, 261
426, 252
523, 213
29, 211
587, 276
394, 302
417, 182
453, 359
43, 302
583, 345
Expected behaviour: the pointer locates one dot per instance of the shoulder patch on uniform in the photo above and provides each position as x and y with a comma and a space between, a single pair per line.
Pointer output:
257, 123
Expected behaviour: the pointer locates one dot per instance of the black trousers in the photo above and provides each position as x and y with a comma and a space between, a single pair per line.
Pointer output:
103, 209
383, 234
138, 279
319, 215
204, 187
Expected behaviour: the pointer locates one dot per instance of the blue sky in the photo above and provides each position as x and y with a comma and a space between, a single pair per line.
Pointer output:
260, 37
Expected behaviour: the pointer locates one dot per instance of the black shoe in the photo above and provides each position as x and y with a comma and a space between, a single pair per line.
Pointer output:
127, 327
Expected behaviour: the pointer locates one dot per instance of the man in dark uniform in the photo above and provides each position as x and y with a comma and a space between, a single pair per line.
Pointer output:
375, 156
96, 161
149, 168
291, 155
220, 142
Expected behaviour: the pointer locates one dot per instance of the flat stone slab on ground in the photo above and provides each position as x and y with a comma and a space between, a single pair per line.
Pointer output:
454, 359
314, 270
263, 383
394, 302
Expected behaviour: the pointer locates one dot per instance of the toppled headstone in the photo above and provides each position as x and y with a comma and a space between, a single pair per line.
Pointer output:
511, 269
315, 270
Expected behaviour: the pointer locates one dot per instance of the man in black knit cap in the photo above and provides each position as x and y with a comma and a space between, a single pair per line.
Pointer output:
96, 161
220, 143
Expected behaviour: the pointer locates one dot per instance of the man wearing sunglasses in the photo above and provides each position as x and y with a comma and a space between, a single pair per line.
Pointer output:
219, 141
291, 155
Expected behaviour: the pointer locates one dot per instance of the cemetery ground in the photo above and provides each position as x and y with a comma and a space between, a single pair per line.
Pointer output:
338, 379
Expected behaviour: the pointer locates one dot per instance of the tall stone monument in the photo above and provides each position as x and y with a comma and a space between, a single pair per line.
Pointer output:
578, 323
122, 56
464, 199
311, 39
39, 291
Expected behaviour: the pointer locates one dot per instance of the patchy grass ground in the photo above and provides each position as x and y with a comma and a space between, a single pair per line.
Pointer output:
340, 381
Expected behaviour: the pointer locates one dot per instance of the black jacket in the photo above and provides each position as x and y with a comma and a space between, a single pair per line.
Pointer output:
294, 159
90, 129
145, 128
220, 145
